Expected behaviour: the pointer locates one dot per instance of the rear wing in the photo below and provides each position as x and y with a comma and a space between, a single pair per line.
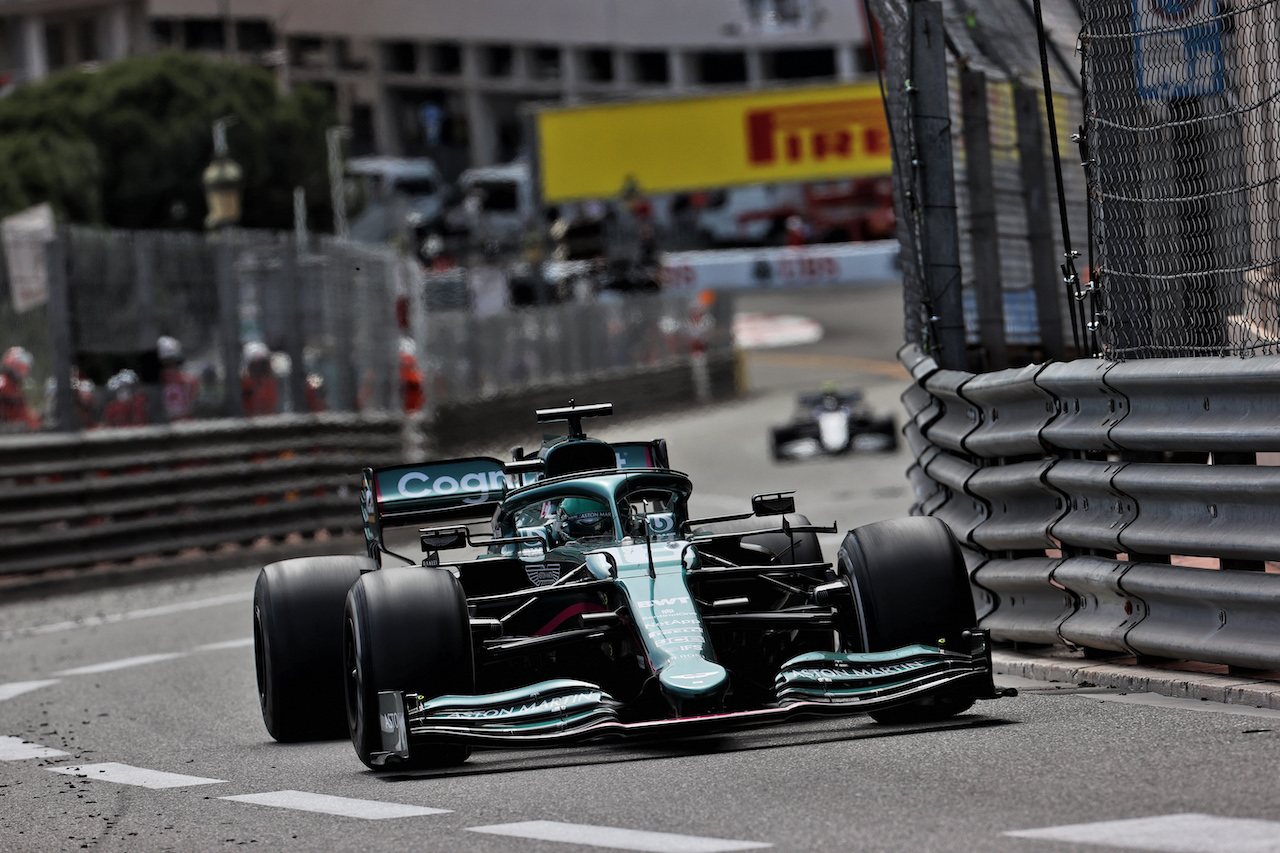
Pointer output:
452, 490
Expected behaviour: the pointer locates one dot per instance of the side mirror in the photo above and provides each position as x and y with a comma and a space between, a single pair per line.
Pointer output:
778, 503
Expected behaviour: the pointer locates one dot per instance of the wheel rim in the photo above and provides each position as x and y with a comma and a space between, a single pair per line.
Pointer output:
261, 662
351, 678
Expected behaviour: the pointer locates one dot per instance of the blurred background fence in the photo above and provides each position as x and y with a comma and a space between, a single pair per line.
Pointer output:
1168, 133
266, 324
1183, 120
1006, 237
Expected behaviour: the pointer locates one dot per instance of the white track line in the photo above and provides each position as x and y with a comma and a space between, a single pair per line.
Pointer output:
616, 838
17, 688
243, 642
17, 749
1178, 833
124, 774
112, 618
123, 663
341, 806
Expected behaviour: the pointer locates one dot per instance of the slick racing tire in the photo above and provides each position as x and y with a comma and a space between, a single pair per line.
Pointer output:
762, 547
406, 629
297, 645
909, 585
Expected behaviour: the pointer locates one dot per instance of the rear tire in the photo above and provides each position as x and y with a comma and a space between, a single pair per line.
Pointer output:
297, 645
910, 585
406, 629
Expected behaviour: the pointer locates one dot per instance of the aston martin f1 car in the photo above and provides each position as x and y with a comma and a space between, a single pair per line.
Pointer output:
597, 608
832, 422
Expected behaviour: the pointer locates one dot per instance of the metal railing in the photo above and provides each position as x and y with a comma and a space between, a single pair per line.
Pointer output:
1110, 506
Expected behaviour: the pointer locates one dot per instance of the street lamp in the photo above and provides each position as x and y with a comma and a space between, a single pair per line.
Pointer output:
222, 181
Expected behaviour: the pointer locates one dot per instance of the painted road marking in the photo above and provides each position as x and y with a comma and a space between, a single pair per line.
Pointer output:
17, 688
123, 774
326, 804
241, 643
618, 839
1178, 833
123, 663
758, 331
112, 618
17, 749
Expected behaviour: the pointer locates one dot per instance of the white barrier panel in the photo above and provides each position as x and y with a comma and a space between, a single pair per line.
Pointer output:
820, 265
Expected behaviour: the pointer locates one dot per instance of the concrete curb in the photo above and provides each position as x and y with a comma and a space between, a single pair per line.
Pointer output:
1228, 689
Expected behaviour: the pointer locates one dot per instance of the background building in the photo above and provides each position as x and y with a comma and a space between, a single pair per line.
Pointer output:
447, 79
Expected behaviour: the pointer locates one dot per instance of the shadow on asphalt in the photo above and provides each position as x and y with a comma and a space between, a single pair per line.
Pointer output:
807, 733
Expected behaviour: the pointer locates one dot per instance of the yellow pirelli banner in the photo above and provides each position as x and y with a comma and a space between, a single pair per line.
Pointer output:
693, 143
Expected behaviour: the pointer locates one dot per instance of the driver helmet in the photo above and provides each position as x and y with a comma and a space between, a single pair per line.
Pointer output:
123, 384
169, 349
18, 361
582, 517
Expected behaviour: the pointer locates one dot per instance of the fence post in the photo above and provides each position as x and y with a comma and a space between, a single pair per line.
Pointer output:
228, 325
1045, 278
144, 288
293, 333
931, 119
988, 287
58, 312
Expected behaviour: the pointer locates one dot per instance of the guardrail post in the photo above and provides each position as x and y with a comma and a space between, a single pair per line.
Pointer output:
983, 232
1238, 458
931, 119
1035, 195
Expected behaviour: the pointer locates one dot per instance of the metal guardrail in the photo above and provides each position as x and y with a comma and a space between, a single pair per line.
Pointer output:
70, 500
1078, 489
114, 495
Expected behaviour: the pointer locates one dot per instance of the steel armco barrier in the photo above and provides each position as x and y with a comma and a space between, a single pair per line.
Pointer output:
1079, 489
69, 500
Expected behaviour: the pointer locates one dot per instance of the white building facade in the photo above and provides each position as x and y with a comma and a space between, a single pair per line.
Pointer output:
449, 78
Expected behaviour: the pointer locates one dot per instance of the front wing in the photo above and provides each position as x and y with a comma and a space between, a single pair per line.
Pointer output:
564, 711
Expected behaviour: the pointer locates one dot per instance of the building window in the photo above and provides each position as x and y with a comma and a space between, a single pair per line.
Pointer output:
87, 40
204, 34
254, 35
306, 52
597, 66
350, 59
544, 63
446, 58
162, 32
497, 60
55, 46
802, 64
651, 68
715, 67
400, 57
772, 16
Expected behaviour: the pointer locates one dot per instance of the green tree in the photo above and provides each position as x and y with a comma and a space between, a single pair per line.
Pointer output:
125, 145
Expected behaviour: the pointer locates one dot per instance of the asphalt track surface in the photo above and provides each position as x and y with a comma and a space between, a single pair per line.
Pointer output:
129, 719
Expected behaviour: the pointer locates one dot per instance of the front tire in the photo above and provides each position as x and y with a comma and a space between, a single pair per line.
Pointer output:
406, 629
909, 585
297, 645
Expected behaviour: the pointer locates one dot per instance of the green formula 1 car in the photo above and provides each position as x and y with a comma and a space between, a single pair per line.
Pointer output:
599, 609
